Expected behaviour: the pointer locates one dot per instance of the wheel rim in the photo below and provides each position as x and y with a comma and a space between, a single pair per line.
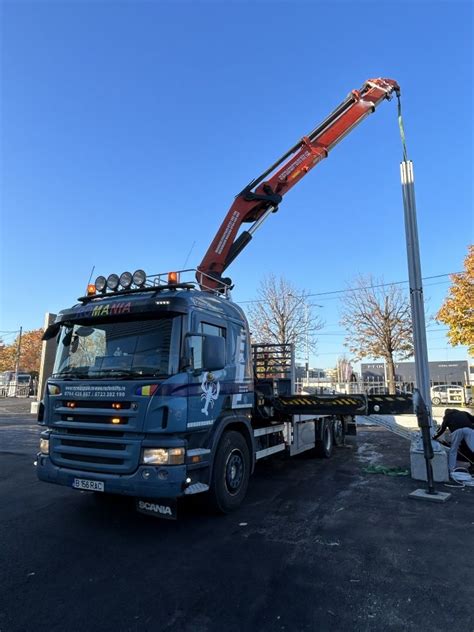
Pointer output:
234, 471
436, 401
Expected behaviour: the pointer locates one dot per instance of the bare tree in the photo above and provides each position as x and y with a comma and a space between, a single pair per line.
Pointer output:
377, 318
283, 314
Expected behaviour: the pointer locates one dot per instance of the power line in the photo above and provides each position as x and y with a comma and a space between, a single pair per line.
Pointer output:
9, 339
359, 289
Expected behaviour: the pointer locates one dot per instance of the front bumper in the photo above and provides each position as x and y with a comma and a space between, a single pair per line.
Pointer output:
162, 482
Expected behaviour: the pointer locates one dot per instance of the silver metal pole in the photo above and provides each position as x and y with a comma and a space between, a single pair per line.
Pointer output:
416, 286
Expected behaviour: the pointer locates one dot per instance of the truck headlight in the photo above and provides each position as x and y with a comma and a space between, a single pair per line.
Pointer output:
163, 456
44, 446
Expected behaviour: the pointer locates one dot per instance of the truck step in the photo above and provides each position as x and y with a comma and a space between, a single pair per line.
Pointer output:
196, 488
272, 450
259, 432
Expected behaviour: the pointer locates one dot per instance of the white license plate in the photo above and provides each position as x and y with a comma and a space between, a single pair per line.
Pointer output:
82, 483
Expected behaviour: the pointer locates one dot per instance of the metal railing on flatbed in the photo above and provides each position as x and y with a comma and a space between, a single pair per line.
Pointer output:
273, 361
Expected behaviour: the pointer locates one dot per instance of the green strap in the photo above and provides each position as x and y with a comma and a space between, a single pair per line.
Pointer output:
388, 471
402, 131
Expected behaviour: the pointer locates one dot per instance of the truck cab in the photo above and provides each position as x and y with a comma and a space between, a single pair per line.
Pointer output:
143, 387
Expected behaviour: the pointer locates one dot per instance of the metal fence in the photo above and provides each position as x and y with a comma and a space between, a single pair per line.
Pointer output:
17, 390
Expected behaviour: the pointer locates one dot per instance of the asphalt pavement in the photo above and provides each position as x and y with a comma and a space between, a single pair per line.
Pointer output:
317, 545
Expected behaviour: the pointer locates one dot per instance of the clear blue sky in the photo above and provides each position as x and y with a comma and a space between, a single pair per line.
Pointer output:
128, 128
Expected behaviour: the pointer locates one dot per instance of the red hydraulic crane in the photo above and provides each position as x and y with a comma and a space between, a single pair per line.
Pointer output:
263, 195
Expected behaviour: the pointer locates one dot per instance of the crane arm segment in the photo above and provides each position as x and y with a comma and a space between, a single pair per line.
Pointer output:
262, 195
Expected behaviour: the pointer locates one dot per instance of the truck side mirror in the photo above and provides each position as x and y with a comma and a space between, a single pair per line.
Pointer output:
213, 353
206, 353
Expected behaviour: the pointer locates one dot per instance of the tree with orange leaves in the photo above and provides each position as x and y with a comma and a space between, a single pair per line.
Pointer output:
30, 353
457, 311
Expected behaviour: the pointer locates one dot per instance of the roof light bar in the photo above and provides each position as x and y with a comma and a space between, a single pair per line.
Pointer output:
113, 282
101, 283
126, 280
139, 278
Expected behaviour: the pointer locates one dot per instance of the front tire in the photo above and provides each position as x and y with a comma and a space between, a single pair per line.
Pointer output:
231, 472
436, 401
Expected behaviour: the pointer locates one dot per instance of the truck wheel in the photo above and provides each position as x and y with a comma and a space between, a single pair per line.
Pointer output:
338, 431
324, 447
436, 401
231, 473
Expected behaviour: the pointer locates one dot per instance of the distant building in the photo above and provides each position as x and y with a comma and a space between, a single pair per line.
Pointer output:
440, 373
331, 374
314, 374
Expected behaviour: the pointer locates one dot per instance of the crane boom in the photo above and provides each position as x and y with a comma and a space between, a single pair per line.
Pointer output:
262, 195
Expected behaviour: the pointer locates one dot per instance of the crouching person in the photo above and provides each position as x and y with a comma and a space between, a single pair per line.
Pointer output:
463, 434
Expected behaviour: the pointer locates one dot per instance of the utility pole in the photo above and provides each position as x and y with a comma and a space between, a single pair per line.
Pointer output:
17, 362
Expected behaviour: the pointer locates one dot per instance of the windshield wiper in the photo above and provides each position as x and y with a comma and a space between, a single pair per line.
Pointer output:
110, 373
106, 373
120, 373
70, 375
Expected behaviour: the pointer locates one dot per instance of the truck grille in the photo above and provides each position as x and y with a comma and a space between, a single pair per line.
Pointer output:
92, 433
93, 444
84, 437
93, 453
92, 459
92, 404
92, 419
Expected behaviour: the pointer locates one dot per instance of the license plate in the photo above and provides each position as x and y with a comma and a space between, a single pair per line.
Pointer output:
82, 483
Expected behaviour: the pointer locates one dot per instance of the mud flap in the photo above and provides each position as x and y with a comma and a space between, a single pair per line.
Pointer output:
158, 508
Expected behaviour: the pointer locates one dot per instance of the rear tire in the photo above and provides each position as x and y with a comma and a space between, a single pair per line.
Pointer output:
231, 473
324, 447
339, 432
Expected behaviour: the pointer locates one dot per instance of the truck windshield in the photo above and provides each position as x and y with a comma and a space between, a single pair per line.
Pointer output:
129, 349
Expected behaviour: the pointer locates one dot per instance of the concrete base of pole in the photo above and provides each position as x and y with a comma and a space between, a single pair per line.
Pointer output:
437, 497
439, 463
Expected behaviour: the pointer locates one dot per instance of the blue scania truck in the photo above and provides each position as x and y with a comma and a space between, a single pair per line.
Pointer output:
157, 392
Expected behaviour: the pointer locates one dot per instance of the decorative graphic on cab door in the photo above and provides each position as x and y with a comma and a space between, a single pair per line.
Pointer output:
210, 391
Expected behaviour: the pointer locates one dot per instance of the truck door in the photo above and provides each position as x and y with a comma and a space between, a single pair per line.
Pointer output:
207, 389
